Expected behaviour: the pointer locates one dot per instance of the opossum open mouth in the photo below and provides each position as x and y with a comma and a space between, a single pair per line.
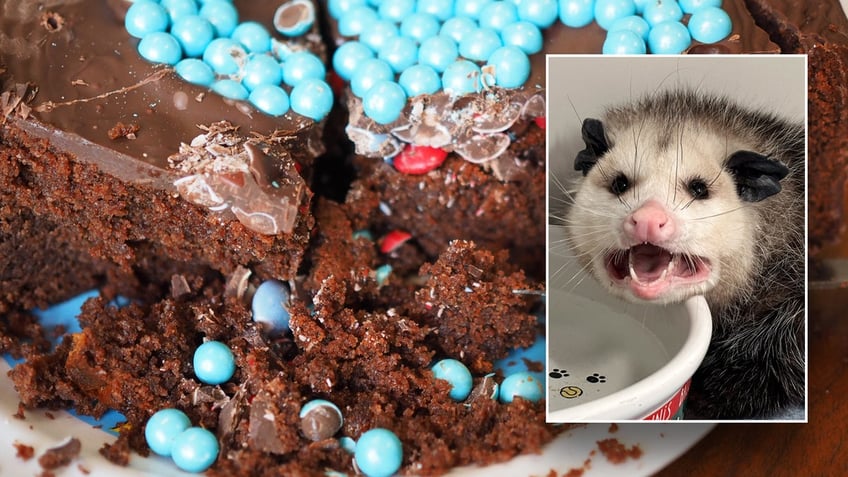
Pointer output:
649, 270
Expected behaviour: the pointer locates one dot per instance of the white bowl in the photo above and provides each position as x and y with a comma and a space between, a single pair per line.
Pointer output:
611, 360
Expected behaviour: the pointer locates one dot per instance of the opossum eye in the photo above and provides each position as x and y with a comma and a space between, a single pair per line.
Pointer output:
619, 184
698, 188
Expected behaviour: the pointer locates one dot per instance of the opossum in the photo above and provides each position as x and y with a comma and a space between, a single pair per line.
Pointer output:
685, 193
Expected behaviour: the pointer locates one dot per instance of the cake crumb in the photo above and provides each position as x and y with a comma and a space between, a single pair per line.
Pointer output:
613, 428
616, 452
60, 456
23, 451
83, 469
123, 130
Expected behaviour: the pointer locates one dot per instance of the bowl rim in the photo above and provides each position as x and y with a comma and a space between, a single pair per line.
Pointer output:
640, 399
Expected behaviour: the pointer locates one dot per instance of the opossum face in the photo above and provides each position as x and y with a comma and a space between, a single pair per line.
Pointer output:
663, 215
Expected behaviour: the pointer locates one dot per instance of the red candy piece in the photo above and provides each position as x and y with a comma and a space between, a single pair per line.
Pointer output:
394, 239
541, 121
419, 159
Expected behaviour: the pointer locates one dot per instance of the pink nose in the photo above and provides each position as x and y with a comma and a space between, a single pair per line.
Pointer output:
650, 223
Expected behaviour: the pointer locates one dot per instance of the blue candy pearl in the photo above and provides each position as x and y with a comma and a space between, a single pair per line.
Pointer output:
461, 77
261, 70
512, 66
524, 35
269, 306
420, 79
400, 52
270, 99
420, 26
634, 23
348, 57
641, 4
222, 15
576, 13
479, 44
378, 34
542, 13
144, 17
230, 89
624, 42
523, 384
668, 38
195, 71
178, 9
384, 102
396, 10
369, 73
302, 65
194, 34
253, 36
442, 9
608, 11
470, 8
162, 429
304, 22
312, 98
221, 54
438, 52
457, 375
319, 403
214, 363
691, 6
337, 8
662, 11
497, 15
160, 47
381, 274
456, 28
379, 453
710, 24
356, 21
195, 449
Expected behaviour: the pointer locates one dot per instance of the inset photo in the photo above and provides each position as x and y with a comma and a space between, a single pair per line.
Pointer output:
676, 238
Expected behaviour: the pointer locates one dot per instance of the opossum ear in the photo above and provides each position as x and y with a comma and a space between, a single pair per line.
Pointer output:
596, 145
756, 176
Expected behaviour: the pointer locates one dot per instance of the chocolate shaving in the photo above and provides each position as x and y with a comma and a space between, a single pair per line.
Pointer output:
123, 130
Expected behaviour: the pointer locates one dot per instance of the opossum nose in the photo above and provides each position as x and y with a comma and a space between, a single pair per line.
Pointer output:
650, 223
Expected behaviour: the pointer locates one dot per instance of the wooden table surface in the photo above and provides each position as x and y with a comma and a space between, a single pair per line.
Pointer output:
817, 448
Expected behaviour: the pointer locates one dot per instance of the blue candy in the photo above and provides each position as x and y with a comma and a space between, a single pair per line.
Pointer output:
378, 34
461, 77
442, 9
337, 8
420, 26
369, 73
438, 52
160, 47
457, 375
384, 102
381, 274
304, 22
634, 23
710, 24
608, 11
144, 17
661, 12
194, 34
690, 6
162, 429
379, 453
400, 52
512, 66
523, 384
576, 13
348, 57
270, 99
221, 54
624, 42
312, 98
229, 88
524, 35
222, 15
497, 15
269, 306
253, 36
261, 70
396, 10
470, 8
420, 79
302, 65
179, 8
478, 44
195, 71
456, 28
214, 363
668, 38
357, 20
542, 13
195, 449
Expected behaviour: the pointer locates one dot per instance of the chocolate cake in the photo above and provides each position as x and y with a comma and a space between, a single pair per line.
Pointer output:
117, 173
